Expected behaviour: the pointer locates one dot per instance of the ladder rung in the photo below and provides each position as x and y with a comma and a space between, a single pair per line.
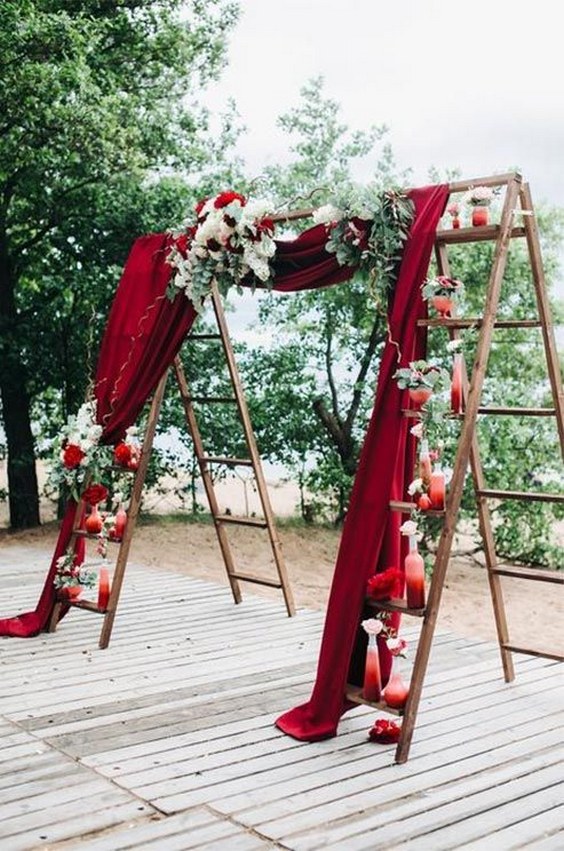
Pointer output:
533, 497
518, 412
530, 573
394, 605
258, 580
211, 399
477, 322
475, 234
82, 533
354, 694
204, 337
241, 521
84, 604
408, 507
229, 462
531, 651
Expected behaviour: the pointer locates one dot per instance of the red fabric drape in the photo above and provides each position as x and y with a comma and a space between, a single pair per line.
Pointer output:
145, 331
371, 536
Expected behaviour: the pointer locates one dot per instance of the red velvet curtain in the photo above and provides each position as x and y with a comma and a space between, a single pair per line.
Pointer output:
145, 331
371, 537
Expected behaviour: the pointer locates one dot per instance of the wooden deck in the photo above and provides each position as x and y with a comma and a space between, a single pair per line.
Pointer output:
166, 741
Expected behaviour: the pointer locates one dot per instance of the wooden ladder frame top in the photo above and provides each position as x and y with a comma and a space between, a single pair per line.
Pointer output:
453, 187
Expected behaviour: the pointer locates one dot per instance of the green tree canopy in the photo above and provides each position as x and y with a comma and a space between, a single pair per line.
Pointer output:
97, 98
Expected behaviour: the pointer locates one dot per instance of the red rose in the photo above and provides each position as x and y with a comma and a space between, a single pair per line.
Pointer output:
200, 206
266, 225
384, 732
94, 494
181, 243
72, 456
122, 454
225, 198
386, 584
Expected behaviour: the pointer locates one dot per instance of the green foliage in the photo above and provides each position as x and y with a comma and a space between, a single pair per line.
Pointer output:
98, 109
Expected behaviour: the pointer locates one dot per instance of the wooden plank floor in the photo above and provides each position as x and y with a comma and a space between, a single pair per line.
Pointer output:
166, 741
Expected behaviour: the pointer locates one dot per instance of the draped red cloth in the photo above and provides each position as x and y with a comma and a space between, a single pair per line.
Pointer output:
371, 538
144, 333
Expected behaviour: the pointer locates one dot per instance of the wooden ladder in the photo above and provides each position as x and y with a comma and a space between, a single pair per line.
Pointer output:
253, 462
205, 461
517, 201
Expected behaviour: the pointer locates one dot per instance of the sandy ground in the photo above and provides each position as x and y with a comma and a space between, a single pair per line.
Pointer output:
535, 610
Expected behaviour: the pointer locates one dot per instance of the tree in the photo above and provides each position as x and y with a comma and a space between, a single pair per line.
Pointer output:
341, 328
96, 96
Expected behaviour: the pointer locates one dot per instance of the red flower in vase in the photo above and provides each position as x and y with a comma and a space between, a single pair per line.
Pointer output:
122, 454
384, 732
94, 494
72, 456
384, 585
225, 198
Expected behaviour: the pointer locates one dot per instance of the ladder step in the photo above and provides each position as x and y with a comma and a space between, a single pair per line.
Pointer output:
408, 507
394, 605
204, 337
211, 399
475, 234
531, 573
229, 462
531, 651
84, 604
518, 412
354, 694
477, 322
258, 580
260, 522
534, 497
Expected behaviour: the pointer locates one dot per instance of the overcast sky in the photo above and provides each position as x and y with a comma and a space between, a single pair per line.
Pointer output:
473, 85
476, 86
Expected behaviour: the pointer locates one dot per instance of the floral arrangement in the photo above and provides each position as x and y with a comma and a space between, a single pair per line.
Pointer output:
230, 239
79, 456
127, 453
419, 375
385, 732
69, 574
442, 286
479, 196
369, 232
453, 210
94, 494
386, 584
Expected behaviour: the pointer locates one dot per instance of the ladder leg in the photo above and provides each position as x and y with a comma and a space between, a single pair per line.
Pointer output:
254, 453
459, 473
484, 516
193, 427
134, 507
553, 364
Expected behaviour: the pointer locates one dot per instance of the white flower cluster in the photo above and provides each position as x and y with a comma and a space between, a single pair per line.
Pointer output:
230, 241
82, 430
78, 455
478, 196
327, 214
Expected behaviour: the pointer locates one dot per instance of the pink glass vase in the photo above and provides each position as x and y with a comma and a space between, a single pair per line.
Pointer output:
437, 489
443, 305
456, 385
419, 395
414, 576
94, 522
424, 463
120, 524
480, 217
372, 686
103, 588
396, 691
